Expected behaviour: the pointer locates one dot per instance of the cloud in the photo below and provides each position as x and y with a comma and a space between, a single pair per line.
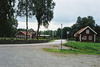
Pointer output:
69, 10
66, 13
52, 25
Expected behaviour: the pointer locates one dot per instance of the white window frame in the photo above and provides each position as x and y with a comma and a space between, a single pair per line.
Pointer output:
84, 38
87, 31
90, 37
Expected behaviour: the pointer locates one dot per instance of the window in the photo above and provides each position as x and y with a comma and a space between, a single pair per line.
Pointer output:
84, 38
87, 31
21, 36
90, 37
18, 36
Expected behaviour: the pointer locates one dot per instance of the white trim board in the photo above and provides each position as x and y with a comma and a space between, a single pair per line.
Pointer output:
89, 28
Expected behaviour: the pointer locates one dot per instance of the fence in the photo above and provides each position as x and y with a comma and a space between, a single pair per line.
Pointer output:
23, 41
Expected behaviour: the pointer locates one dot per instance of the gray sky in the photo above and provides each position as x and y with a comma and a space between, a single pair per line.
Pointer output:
66, 13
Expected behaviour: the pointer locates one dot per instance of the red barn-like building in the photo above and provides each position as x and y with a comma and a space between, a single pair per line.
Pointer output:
22, 34
86, 34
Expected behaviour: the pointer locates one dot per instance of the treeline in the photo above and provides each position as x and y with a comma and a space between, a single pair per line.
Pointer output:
57, 33
8, 22
80, 23
83, 22
10, 9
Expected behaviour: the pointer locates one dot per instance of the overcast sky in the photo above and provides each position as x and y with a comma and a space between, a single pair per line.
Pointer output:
66, 13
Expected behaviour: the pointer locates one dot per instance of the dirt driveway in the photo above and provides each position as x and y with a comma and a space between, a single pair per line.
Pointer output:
35, 56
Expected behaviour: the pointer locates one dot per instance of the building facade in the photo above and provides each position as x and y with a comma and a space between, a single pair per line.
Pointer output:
22, 34
86, 34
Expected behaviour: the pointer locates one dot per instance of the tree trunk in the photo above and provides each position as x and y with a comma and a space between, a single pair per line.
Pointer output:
26, 21
38, 30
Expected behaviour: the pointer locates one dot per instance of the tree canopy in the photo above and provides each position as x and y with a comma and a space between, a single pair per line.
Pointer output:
43, 10
25, 8
8, 23
83, 22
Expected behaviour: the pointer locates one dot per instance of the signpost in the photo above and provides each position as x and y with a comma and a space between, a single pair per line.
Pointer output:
67, 34
61, 37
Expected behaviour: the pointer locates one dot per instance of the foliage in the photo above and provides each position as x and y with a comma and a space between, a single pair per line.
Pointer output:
24, 5
8, 23
98, 40
65, 30
71, 39
48, 32
70, 51
59, 32
97, 29
85, 46
80, 23
43, 10
51, 41
83, 22
79, 48
21, 29
25, 8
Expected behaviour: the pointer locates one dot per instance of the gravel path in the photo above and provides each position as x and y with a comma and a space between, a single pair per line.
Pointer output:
35, 56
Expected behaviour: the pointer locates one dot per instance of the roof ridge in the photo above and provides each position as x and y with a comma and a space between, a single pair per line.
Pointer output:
82, 29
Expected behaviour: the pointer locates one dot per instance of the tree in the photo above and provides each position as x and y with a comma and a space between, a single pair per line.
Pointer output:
65, 30
8, 23
25, 8
59, 32
43, 10
83, 22
78, 22
97, 29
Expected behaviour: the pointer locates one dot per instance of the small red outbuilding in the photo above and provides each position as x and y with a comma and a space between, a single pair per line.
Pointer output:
86, 34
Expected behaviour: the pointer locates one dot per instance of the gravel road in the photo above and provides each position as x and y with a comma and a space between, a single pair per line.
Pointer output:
35, 56
56, 42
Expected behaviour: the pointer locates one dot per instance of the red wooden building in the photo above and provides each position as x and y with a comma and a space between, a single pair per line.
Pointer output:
22, 34
86, 34
33, 33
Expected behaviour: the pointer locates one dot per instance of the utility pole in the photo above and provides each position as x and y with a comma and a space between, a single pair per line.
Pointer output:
61, 37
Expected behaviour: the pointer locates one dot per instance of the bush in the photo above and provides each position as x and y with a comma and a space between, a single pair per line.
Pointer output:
72, 39
98, 40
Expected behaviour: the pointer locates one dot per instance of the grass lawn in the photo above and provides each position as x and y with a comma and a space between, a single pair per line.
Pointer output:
79, 48
51, 41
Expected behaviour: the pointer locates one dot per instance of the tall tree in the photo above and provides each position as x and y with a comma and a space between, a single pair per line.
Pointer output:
83, 22
59, 32
7, 20
97, 29
43, 12
78, 22
25, 8
65, 30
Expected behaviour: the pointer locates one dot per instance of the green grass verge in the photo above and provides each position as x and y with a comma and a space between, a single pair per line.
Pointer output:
63, 51
80, 48
51, 41
86, 46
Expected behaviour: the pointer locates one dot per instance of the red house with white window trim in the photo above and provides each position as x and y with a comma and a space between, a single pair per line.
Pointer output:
22, 34
33, 33
86, 34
